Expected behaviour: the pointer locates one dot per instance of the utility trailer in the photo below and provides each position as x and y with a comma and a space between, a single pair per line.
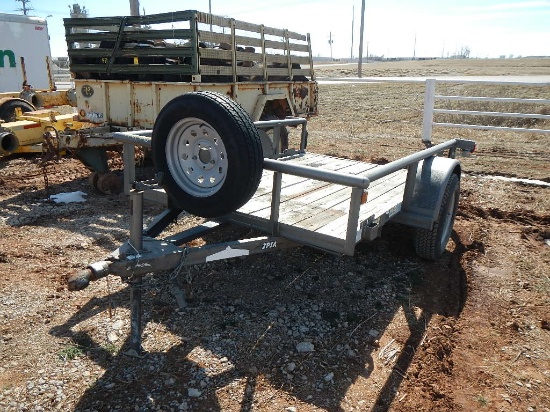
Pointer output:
209, 162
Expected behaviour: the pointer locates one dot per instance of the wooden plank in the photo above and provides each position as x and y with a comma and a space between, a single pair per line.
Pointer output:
315, 205
305, 195
127, 36
390, 200
384, 199
218, 54
393, 181
250, 71
169, 17
216, 70
293, 185
138, 52
281, 45
213, 19
248, 41
384, 203
376, 191
135, 68
211, 37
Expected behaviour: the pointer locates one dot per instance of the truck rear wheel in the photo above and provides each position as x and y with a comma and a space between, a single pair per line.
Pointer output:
430, 244
207, 153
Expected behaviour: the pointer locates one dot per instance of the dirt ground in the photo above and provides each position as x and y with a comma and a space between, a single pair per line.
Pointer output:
298, 329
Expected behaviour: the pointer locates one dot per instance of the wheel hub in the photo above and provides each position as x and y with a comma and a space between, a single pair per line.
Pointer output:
196, 157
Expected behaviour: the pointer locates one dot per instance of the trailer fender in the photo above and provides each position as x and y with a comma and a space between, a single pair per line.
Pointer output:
421, 207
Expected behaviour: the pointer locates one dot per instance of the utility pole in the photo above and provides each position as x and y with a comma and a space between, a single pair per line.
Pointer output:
360, 65
330, 41
134, 7
414, 49
352, 24
24, 8
210, 11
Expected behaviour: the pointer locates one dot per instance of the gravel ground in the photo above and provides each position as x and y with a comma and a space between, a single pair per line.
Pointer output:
295, 330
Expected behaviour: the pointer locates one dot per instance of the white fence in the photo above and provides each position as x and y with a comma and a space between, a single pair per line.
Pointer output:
430, 111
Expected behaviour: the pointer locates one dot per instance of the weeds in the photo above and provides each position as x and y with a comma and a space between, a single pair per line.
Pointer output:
70, 353
482, 400
109, 347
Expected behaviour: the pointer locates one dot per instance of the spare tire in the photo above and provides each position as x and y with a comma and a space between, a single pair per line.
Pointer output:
207, 153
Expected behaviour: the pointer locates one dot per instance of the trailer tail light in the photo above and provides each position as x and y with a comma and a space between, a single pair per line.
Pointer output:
364, 197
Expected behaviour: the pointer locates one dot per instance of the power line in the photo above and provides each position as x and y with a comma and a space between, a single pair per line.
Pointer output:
24, 8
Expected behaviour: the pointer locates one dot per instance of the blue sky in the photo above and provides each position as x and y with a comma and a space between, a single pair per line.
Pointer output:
393, 28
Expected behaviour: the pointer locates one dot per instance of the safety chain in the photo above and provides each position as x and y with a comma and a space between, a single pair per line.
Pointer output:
45, 175
174, 279
50, 152
176, 272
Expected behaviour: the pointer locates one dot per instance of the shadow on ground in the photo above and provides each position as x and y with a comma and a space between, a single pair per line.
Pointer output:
236, 341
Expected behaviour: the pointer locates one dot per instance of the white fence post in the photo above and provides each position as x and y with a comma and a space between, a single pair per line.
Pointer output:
429, 102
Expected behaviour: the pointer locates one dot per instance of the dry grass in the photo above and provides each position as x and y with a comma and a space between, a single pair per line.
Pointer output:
384, 120
458, 67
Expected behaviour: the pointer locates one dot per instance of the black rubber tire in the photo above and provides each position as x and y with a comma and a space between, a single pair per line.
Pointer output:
283, 142
430, 244
215, 117
7, 109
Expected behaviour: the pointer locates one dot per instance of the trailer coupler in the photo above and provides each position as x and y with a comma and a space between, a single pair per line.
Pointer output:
93, 272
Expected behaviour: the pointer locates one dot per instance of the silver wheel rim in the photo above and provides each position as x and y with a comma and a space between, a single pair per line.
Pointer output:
448, 220
196, 157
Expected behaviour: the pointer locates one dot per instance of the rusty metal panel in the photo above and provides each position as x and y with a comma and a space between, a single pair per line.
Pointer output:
91, 100
137, 104
120, 96
144, 104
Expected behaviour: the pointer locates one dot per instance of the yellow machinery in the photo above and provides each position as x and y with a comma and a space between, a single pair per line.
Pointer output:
55, 131
27, 132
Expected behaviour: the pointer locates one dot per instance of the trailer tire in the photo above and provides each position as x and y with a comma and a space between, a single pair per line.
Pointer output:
430, 244
207, 153
7, 108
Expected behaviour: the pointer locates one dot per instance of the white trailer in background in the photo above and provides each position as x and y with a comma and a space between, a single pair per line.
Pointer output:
24, 53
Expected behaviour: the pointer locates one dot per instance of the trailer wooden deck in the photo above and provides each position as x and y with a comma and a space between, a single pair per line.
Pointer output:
316, 213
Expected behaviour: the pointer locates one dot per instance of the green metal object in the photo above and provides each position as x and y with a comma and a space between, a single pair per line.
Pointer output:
94, 157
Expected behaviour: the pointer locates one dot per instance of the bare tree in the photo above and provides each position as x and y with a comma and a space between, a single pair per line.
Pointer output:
464, 52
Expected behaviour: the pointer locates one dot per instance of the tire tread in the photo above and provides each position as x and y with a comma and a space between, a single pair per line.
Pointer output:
427, 241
